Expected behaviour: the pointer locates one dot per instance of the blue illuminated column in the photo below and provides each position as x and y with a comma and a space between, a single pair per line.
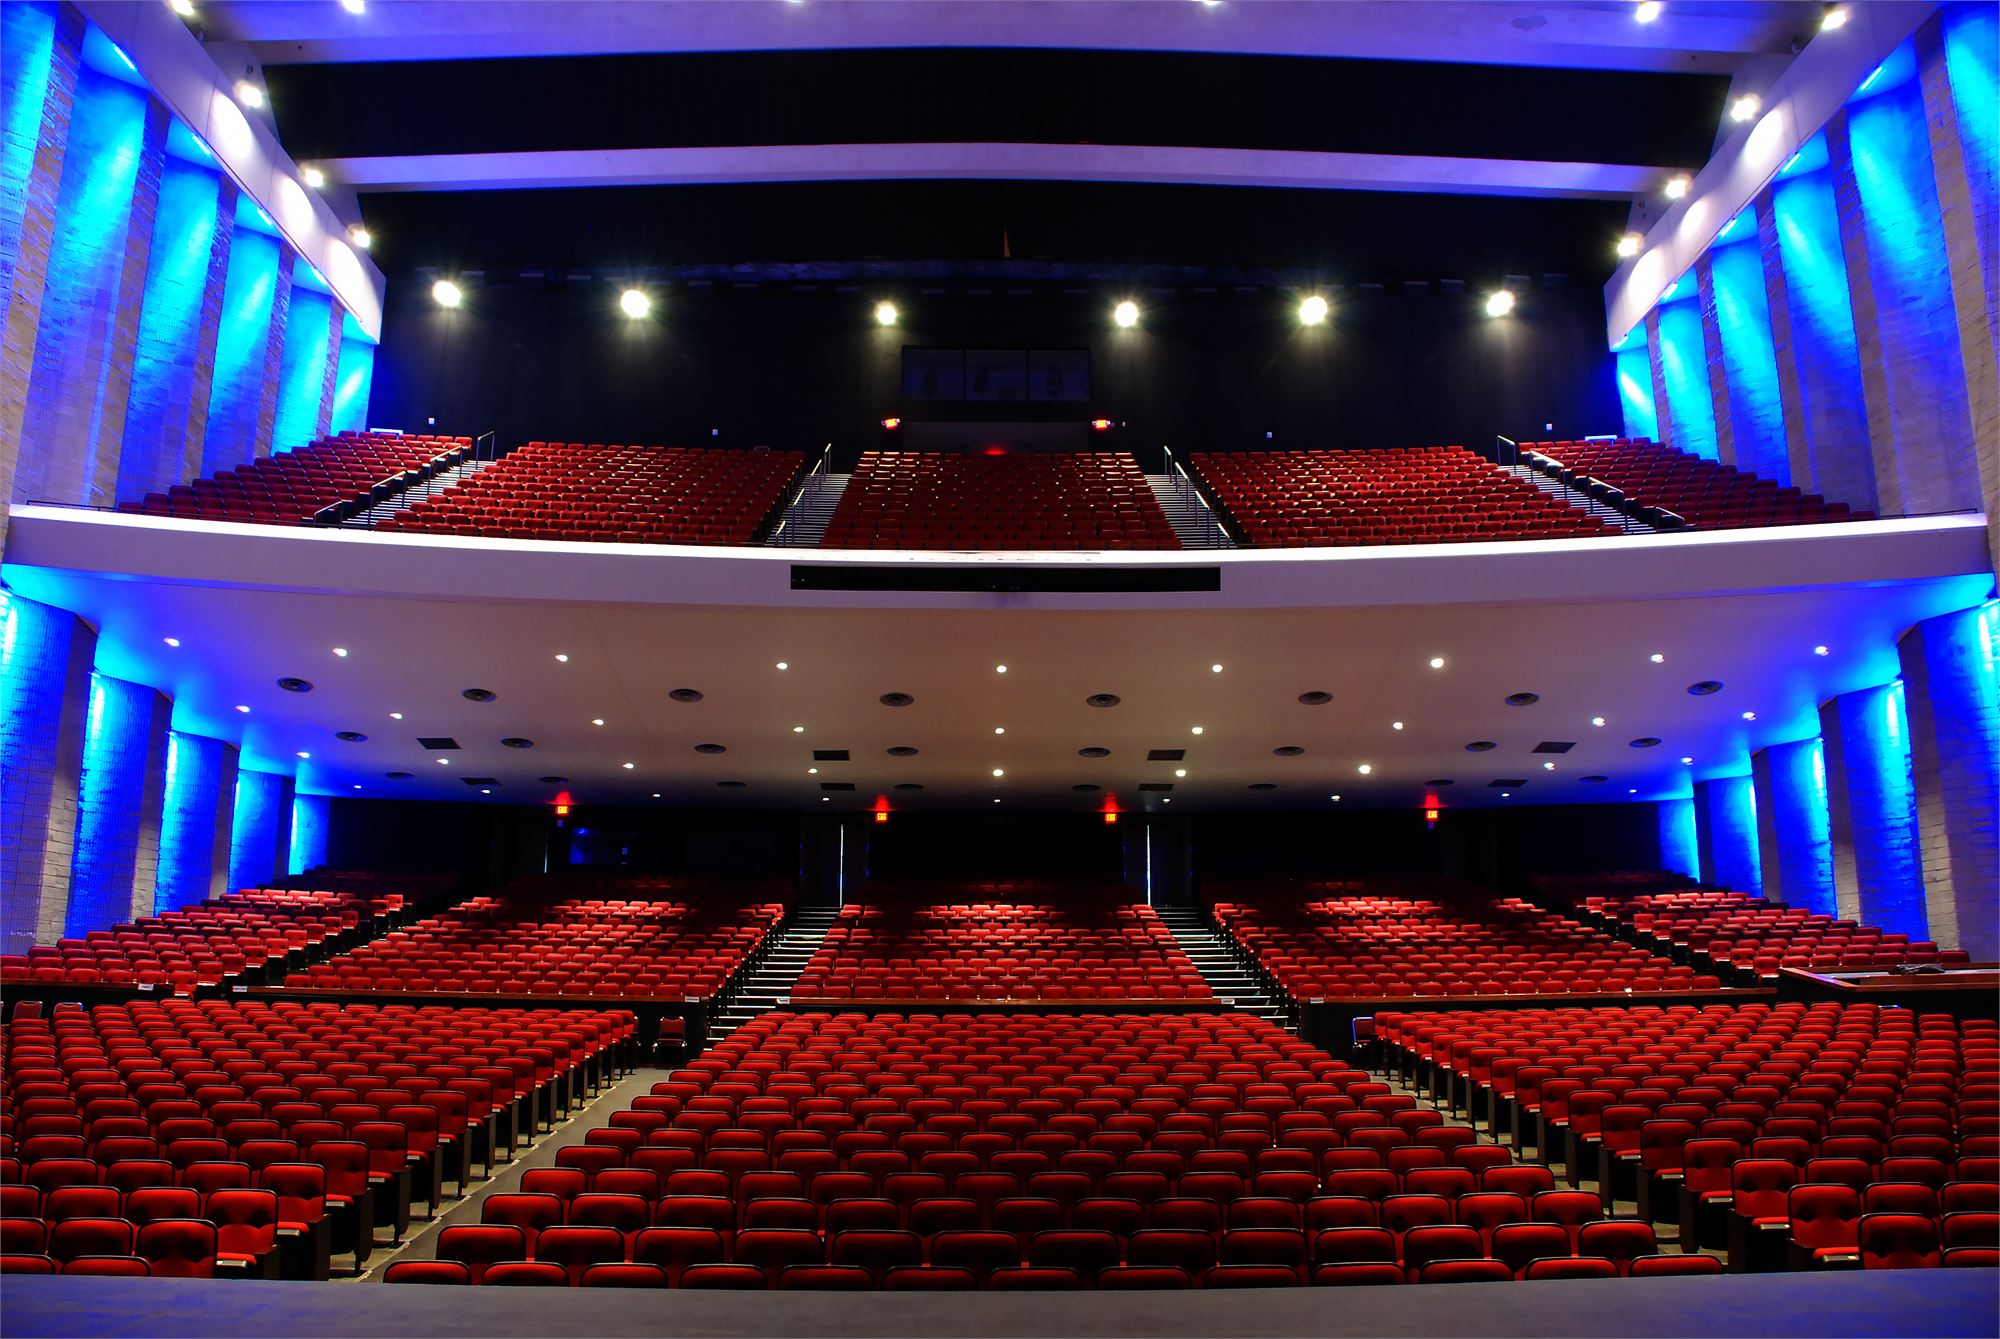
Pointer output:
1949, 692
352, 380
1725, 826
260, 841
175, 370
120, 799
311, 328
1872, 810
194, 831
1743, 368
1795, 845
1680, 850
1812, 333
84, 348
1680, 373
249, 349
1905, 321
310, 816
1957, 75
40, 46
45, 659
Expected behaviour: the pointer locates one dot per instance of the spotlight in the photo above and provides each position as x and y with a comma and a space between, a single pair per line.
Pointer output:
1313, 311
798, 729
314, 177
999, 669
1100, 425
354, 6
999, 729
1334, 798
445, 293
1437, 662
1366, 768
1126, 314
1744, 108
597, 720
304, 754
634, 303
1628, 245
1648, 10
244, 710
340, 651
1749, 715
1677, 186
784, 665
444, 762
361, 237
1215, 669
1180, 771
1195, 730
1821, 651
395, 715
998, 771
885, 313
630, 766
1834, 18
561, 659
1597, 720
171, 641
1499, 302
184, 8
249, 94
1395, 725
1548, 767
1657, 658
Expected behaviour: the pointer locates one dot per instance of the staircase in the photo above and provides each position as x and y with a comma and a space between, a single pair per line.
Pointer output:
769, 985
421, 491
1583, 502
1217, 961
1189, 513
805, 519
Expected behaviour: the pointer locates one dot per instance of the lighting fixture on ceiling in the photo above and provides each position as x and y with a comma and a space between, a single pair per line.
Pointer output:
798, 729
245, 710
1821, 651
1395, 725
1313, 311
784, 665
171, 641
1180, 771
999, 669
1647, 10
1195, 730
1678, 185
1215, 669
354, 6
1126, 314
597, 720
1548, 767
1833, 19
1628, 245
999, 771
249, 94
361, 237
885, 313
1499, 302
999, 729
630, 766
1366, 768
634, 303
313, 177
1745, 107
184, 8
1334, 798
340, 651
395, 715
561, 659
445, 293
1687, 762
1749, 715
1597, 720
1658, 658
1437, 662
444, 762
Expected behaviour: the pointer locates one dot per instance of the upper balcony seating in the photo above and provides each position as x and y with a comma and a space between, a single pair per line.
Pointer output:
205, 944
1359, 939
1090, 944
192, 1138
611, 494
1404, 495
950, 500
290, 487
622, 941
1742, 930
1708, 495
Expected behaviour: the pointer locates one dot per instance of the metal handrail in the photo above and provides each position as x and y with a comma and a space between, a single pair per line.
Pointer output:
810, 488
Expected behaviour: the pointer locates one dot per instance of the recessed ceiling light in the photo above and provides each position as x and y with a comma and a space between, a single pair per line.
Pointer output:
885, 313
446, 293
1749, 715
1215, 669
1548, 767
828, 799
1194, 730
1658, 658
1597, 720
357, 785
1744, 107
1437, 662
184, 8
999, 729
1679, 185
1180, 771
656, 794
484, 791
1506, 794
1313, 311
1366, 768
1687, 762
1647, 10
304, 754
1395, 725
1166, 799
634, 303
999, 669
999, 771
249, 94
1820, 651
444, 762
1834, 17
1499, 302
171, 641
361, 237
340, 651
314, 177
1333, 797
812, 771
245, 710
597, 720
784, 665
630, 766
1126, 314
354, 6
1628, 245
996, 799
561, 659
798, 729
395, 715
1632, 790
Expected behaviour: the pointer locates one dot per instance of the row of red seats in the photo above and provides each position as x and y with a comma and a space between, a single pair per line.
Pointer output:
1708, 494
289, 487
1424, 495
207, 944
1334, 939
1081, 948
626, 494
951, 500
521, 944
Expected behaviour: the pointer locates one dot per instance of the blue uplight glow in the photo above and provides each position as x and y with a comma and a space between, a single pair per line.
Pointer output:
1684, 372
302, 375
1750, 361
1635, 389
163, 380
352, 382
242, 336
1897, 69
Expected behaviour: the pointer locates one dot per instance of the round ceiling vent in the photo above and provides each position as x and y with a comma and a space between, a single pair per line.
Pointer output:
1315, 698
1645, 742
710, 748
1523, 699
732, 785
1263, 785
896, 699
1704, 688
1288, 750
1593, 780
351, 736
1086, 785
553, 780
909, 785
1440, 781
685, 695
397, 776
1094, 751
516, 742
296, 685
479, 695
903, 751
1104, 699
1481, 746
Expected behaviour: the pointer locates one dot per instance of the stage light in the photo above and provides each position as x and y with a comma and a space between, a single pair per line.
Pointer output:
249, 94
1126, 314
885, 313
313, 177
1834, 18
361, 237
1647, 10
1313, 311
1628, 245
1744, 108
634, 303
1499, 302
445, 293
1678, 185
1430, 815
1110, 819
184, 8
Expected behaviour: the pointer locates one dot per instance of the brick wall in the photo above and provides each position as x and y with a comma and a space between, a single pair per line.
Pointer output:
1725, 824
200, 810
1680, 850
250, 312
45, 658
1743, 371
261, 836
1871, 811
1949, 693
120, 802
310, 816
1795, 847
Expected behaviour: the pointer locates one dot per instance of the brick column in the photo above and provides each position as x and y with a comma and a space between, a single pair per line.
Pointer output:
1713, 360
1872, 811
274, 354
1949, 693
1795, 848
81, 382
200, 811
261, 836
40, 47
1912, 372
242, 397
1661, 409
121, 799
1725, 825
45, 659
1743, 373
1955, 73
1680, 850
310, 816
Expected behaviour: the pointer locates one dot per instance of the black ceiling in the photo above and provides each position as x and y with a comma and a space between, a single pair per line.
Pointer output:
1326, 236
967, 95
